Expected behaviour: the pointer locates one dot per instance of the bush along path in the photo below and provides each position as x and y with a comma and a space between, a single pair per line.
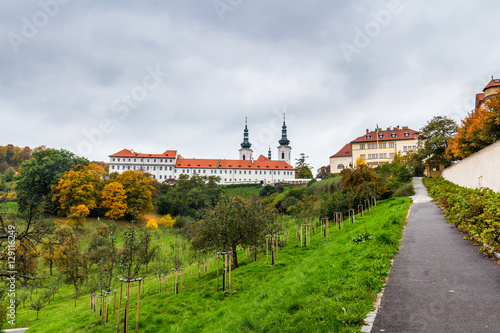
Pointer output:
439, 281
322, 284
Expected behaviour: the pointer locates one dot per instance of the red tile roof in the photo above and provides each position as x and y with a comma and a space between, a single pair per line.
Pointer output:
387, 135
129, 153
262, 163
344, 152
493, 83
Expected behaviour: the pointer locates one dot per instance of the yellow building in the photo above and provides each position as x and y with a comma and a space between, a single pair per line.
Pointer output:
376, 147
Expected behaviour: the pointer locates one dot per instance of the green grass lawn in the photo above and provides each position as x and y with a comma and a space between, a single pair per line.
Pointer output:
328, 287
243, 191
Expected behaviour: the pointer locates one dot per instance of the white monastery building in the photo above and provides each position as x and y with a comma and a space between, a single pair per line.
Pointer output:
170, 165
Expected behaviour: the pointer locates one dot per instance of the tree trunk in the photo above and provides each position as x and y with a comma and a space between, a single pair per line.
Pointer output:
50, 266
235, 256
111, 274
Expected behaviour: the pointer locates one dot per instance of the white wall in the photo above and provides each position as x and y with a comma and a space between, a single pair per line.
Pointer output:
481, 169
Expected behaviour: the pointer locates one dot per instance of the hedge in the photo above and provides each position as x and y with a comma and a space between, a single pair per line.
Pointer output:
474, 211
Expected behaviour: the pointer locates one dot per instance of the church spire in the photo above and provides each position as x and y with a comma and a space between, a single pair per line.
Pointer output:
284, 140
246, 144
269, 153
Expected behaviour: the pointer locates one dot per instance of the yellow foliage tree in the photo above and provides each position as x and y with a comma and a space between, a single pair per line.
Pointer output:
79, 186
360, 161
78, 215
152, 224
114, 200
167, 221
138, 188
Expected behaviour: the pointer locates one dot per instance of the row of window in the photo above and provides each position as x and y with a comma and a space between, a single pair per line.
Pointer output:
374, 145
143, 160
393, 135
135, 167
376, 156
409, 148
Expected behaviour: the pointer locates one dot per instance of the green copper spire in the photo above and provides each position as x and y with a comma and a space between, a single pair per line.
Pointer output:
269, 153
284, 141
246, 144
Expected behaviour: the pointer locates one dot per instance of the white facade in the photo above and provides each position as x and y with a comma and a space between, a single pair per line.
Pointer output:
230, 171
285, 154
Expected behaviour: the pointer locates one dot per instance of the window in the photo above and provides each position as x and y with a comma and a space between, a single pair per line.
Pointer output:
380, 136
129, 160
406, 134
135, 160
118, 160
340, 167
391, 144
368, 136
405, 148
154, 161
362, 146
204, 171
282, 156
112, 167
391, 155
393, 135
414, 147
363, 156
113, 159
244, 157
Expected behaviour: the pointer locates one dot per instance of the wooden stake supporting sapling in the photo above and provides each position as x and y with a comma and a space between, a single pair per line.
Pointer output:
374, 201
367, 204
325, 226
351, 212
339, 220
360, 209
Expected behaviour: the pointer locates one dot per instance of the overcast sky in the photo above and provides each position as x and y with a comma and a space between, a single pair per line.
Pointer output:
95, 77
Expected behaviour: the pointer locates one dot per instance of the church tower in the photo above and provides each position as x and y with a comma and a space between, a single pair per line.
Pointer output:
245, 151
284, 150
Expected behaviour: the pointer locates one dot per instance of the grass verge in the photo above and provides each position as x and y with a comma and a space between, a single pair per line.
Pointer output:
328, 287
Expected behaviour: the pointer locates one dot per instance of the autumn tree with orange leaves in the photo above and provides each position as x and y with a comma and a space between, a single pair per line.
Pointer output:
113, 200
478, 130
138, 188
79, 186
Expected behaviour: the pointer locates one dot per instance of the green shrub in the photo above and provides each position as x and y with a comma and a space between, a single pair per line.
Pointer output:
404, 190
267, 190
474, 211
289, 202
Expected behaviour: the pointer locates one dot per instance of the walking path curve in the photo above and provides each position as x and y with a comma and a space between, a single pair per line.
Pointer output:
439, 281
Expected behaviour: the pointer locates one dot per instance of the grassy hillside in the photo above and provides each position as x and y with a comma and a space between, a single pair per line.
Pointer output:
329, 287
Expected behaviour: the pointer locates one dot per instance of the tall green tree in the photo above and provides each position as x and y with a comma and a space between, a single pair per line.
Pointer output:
303, 168
232, 223
38, 174
433, 141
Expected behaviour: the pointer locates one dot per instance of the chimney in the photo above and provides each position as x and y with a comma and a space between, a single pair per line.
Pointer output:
367, 131
388, 128
398, 127
405, 127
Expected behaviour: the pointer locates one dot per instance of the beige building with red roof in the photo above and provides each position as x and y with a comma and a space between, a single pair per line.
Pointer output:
492, 88
170, 165
375, 147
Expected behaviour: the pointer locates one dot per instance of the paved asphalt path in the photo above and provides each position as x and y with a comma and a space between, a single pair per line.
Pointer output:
439, 281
